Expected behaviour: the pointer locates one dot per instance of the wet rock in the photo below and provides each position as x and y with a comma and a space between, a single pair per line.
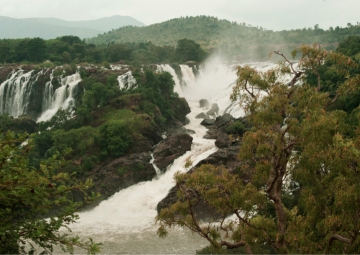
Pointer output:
222, 141
204, 103
219, 125
170, 149
114, 175
226, 157
207, 122
201, 116
190, 131
214, 111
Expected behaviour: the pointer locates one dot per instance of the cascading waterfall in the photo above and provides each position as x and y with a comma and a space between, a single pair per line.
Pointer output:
15, 92
168, 68
62, 97
187, 75
125, 222
127, 80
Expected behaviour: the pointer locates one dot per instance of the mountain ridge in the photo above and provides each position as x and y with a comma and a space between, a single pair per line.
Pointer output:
50, 28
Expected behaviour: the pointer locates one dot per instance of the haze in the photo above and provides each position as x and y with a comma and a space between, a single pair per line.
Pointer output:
275, 15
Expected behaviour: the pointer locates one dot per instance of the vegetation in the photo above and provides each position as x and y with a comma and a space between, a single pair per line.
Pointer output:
211, 31
70, 49
29, 194
301, 193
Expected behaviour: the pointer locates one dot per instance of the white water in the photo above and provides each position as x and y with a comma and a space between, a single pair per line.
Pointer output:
126, 80
15, 92
167, 68
62, 97
125, 222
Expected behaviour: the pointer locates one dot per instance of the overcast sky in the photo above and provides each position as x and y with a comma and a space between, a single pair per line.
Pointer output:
270, 14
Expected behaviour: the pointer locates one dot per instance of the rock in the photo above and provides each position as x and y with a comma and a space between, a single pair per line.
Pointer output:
113, 175
226, 157
207, 122
214, 110
201, 116
170, 149
222, 141
47, 62
190, 131
204, 103
218, 127
221, 121
77, 162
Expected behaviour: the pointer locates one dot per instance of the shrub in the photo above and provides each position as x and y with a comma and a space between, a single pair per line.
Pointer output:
115, 138
235, 128
88, 164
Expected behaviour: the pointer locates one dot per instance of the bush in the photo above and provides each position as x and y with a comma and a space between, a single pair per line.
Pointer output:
88, 164
115, 138
235, 128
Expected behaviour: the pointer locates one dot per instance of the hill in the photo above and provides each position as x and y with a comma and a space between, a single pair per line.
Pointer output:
210, 31
49, 28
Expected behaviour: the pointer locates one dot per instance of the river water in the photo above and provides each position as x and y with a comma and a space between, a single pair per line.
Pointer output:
125, 223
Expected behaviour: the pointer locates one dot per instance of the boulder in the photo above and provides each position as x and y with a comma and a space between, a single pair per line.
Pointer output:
207, 122
201, 116
226, 157
170, 149
214, 111
204, 103
222, 141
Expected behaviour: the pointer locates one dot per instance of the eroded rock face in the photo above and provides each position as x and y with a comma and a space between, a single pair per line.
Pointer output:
214, 111
117, 174
226, 157
170, 149
204, 103
218, 128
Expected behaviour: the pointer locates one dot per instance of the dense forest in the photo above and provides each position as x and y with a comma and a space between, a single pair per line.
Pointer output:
71, 49
212, 32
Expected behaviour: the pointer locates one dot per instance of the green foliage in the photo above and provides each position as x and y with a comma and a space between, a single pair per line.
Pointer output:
297, 188
122, 170
258, 249
36, 49
88, 164
235, 128
115, 137
61, 120
28, 194
5, 122
188, 50
77, 139
4, 52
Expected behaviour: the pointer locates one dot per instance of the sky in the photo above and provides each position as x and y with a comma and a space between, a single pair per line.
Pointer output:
270, 14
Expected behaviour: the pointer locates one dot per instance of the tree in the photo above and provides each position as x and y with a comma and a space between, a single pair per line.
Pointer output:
28, 194
4, 52
36, 49
189, 50
296, 141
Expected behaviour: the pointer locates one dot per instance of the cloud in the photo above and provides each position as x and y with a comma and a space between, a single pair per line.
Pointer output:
274, 14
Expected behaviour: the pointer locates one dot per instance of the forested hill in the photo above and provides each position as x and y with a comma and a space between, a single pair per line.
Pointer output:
50, 28
210, 31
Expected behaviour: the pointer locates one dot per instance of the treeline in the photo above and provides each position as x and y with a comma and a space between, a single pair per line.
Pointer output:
211, 31
71, 49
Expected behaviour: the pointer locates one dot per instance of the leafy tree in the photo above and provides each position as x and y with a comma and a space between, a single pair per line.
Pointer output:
115, 138
4, 52
36, 49
296, 144
28, 194
189, 50
119, 52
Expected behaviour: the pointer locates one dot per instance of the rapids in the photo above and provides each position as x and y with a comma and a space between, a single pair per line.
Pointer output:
124, 223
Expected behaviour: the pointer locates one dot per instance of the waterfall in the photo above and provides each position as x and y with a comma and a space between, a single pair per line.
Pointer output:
126, 80
187, 74
169, 69
15, 92
62, 97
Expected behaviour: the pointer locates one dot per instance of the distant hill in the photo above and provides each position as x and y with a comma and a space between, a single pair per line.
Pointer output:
49, 28
212, 32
